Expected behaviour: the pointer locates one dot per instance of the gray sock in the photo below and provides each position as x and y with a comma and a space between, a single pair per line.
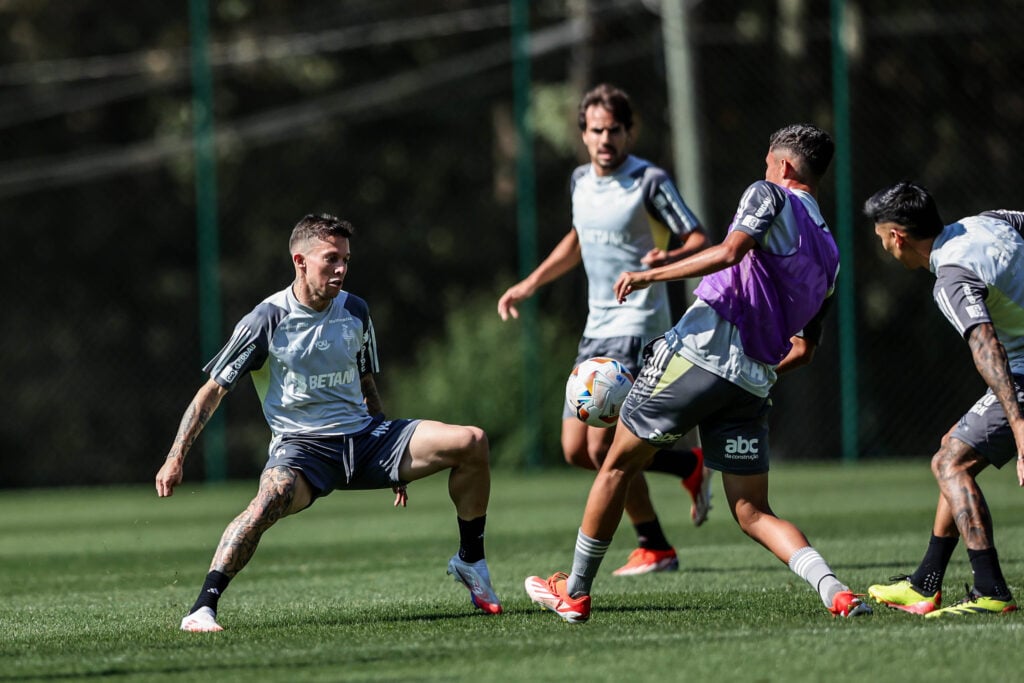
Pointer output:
812, 568
585, 563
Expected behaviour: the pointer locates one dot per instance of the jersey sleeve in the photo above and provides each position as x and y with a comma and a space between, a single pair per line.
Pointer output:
664, 203
248, 348
960, 295
366, 358
758, 207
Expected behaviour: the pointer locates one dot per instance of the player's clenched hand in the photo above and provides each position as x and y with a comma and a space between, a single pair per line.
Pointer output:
168, 477
628, 283
655, 258
401, 496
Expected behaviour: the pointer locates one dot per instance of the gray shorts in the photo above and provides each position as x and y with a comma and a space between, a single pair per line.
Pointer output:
672, 396
985, 429
368, 460
626, 350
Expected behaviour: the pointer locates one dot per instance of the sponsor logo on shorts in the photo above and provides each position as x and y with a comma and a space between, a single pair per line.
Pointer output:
657, 436
986, 402
740, 448
381, 429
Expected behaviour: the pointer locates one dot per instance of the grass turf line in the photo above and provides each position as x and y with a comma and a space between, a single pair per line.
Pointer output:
94, 581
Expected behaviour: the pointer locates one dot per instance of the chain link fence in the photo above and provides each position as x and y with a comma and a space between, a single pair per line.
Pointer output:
100, 351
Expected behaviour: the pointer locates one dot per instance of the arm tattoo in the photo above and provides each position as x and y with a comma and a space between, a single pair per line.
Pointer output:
272, 502
993, 366
195, 418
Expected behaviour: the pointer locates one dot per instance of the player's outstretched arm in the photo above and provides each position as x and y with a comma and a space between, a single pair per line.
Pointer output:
564, 257
195, 418
710, 260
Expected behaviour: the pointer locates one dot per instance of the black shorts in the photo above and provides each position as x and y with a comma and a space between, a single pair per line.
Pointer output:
368, 460
985, 428
672, 396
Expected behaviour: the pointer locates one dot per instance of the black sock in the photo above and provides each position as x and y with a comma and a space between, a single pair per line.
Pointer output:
649, 535
932, 569
215, 584
678, 463
988, 577
471, 539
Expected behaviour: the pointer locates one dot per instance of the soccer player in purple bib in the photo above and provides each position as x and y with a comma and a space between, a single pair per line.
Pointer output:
624, 212
978, 264
757, 314
311, 352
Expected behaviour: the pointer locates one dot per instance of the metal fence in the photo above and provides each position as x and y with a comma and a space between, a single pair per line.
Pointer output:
100, 353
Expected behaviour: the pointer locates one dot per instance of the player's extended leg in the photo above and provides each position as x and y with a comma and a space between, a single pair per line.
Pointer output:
282, 491
747, 496
436, 446
956, 466
568, 596
586, 447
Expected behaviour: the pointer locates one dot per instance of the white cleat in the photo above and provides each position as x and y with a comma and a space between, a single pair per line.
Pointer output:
203, 620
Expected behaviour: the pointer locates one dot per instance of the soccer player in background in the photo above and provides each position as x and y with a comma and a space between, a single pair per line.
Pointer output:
311, 351
764, 284
624, 212
978, 264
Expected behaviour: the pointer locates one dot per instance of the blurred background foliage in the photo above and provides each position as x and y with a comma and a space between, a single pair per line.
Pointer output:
397, 115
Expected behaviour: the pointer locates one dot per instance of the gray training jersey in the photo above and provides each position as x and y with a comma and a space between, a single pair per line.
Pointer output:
979, 277
306, 365
710, 341
619, 218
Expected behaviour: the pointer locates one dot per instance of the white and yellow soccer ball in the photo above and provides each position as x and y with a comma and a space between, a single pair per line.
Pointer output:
596, 390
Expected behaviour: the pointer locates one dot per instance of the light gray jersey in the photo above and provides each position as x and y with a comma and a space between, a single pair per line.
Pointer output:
619, 218
979, 277
306, 365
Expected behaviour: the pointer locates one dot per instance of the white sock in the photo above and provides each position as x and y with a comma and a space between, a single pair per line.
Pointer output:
812, 568
585, 563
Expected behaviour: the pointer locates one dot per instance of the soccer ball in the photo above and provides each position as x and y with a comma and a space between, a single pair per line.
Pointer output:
596, 390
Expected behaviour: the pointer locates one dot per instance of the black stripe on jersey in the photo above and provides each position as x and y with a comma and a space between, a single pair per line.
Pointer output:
757, 209
255, 331
663, 201
367, 357
960, 295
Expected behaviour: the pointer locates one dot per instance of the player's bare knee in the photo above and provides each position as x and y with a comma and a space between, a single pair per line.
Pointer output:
946, 462
473, 445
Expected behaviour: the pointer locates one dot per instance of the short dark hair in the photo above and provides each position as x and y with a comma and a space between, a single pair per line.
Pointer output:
318, 226
907, 204
812, 145
611, 98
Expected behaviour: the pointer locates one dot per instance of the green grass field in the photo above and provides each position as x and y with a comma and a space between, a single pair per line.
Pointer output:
94, 582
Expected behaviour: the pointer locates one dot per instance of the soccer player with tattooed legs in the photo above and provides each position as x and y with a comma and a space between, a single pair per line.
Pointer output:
977, 262
758, 313
312, 352
625, 210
